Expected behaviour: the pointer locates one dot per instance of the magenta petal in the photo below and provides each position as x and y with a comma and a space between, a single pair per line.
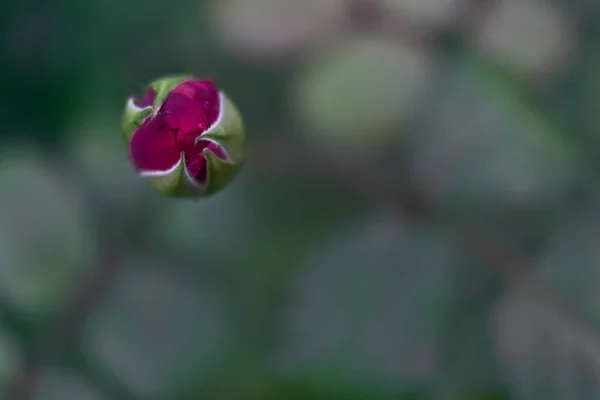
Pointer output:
205, 93
190, 115
215, 148
208, 95
196, 168
199, 89
153, 146
196, 162
146, 100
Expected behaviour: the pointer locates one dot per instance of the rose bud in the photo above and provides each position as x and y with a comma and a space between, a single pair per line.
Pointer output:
185, 136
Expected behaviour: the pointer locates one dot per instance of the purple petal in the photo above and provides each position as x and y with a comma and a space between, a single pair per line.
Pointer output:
206, 94
196, 162
146, 100
153, 146
197, 169
217, 149
188, 113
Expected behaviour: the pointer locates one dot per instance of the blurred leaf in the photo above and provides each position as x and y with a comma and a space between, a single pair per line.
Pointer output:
10, 355
251, 386
434, 12
155, 326
574, 99
39, 210
315, 391
100, 379
57, 385
545, 351
486, 395
220, 228
270, 388
480, 144
355, 96
251, 234
41, 77
103, 159
370, 306
289, 216
567, 361
466, 342
531, 36
570, 262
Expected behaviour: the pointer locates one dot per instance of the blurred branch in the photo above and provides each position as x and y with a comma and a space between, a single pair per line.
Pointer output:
88, 292
12, 320
397, 193
118, 236
103, 380
66, 329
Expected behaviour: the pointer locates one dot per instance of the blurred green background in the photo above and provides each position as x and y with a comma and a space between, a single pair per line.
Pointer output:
302, 280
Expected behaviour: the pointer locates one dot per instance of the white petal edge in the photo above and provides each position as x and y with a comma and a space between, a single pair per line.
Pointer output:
213, 127
145, 173
131, 104
227, 157
198, 185
150, 173
219, 118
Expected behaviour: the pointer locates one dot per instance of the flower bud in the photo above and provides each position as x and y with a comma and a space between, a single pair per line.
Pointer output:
185, 136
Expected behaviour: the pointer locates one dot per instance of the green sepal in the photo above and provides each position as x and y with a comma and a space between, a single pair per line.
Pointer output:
219, 172
132, 119
229, 131
164, 86
176, 183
